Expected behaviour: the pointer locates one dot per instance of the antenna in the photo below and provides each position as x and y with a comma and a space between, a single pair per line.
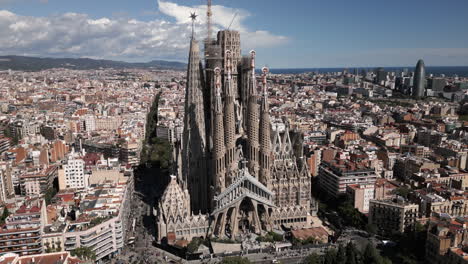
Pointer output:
234, 17
208, 21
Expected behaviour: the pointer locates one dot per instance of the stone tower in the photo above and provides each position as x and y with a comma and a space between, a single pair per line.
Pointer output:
194, 136
265, 133
219, 148
252, 122
229, 121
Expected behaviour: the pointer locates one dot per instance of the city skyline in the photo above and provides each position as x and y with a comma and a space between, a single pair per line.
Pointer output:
317, 35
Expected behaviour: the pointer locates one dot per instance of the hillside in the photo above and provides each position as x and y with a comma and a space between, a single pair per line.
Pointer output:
22, 63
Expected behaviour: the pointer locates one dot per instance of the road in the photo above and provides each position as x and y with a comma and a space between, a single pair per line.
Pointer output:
149, 184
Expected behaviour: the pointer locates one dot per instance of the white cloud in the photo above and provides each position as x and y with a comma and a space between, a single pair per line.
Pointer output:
78, 35
223, 18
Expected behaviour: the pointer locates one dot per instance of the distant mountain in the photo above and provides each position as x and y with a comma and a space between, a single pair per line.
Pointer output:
21, 63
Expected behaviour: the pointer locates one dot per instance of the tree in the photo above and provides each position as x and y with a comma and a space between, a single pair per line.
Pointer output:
4, 215
49, 194
370, 255
84, 253
411, 245
313, 259
371, 229
341, 255
350, 215
330, 257
402, 191
235, 260
14, 137
194, 245
351, 254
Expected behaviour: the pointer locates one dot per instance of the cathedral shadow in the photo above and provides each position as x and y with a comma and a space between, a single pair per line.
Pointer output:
150, 183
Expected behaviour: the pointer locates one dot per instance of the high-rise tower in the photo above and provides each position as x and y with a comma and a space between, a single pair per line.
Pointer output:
419, 80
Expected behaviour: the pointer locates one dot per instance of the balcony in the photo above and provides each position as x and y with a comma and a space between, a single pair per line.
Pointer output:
104, 251
103, 242
19, 236
84, 237
98, 239
22, 249
20, 243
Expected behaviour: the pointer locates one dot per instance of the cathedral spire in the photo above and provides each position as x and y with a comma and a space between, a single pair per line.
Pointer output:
253, 87
252, 122
219, 149
229, 119
194, 138
218, 103
265, 130
264, 106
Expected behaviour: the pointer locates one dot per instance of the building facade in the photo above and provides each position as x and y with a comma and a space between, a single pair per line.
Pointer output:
72, 174
335, 177
446, 237
22, 231
235, 167
392, 215
360, 195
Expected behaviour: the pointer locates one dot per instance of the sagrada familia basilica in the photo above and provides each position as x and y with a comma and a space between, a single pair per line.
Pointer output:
237, 173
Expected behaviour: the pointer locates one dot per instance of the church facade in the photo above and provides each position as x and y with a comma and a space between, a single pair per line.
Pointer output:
243, 174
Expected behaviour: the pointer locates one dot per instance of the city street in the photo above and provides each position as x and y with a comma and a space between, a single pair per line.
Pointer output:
149, 184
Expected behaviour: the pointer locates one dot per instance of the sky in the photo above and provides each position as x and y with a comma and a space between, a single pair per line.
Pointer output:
285, 34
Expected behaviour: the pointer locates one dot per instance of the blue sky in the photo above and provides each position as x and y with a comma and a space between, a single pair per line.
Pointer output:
292, 34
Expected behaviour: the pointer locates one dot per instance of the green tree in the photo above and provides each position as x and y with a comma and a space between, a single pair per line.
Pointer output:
341, 255
194, 245
84, 253
402, 191
351, 254
8, 134
49, 194
313, 259
330, 257
235, 260
350, 215
371, 229
4, 215
371, 255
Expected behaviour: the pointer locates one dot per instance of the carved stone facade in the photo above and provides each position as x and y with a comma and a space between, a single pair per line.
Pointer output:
175, 220
267, 188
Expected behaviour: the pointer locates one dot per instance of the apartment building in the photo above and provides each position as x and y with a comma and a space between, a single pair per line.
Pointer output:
445, 239
102, 222
21, 233
6, 183
336, 175
394, 215
46, 258
72, 174
37, 181
360, 195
